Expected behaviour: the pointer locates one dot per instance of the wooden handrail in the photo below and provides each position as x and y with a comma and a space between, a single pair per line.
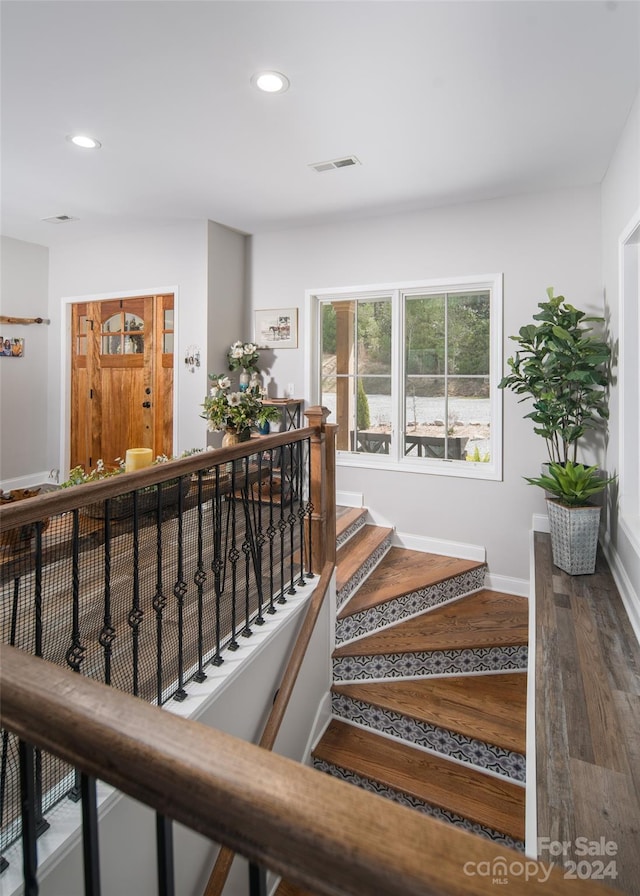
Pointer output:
22, 513
318, 832
224, 859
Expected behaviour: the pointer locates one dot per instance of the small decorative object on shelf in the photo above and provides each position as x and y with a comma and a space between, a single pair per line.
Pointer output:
234, 412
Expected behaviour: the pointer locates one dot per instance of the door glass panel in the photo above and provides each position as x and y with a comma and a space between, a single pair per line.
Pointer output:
167, 343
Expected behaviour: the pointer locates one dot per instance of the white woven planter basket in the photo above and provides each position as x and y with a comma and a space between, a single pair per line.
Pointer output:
574, 537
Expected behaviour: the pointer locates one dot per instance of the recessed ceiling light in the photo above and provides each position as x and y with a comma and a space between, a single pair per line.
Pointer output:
271, 82
84, 141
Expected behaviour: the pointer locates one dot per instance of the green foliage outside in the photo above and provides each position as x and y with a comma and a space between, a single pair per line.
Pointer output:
364, 417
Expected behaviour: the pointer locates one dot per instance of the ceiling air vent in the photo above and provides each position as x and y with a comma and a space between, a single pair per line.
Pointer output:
346, 162
60, 219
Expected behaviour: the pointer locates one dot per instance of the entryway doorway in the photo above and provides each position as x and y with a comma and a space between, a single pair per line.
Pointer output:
121, 378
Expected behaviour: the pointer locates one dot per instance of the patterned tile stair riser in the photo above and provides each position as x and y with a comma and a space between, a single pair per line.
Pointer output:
409, 605
365, 570
436, 662
350, 531
413, 803
448, 743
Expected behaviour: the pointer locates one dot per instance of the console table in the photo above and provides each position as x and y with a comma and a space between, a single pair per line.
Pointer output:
290, 410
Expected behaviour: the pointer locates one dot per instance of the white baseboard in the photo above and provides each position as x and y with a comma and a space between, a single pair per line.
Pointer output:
507, 585
440, 546
29, 481
349, 499
628, 594
540, 522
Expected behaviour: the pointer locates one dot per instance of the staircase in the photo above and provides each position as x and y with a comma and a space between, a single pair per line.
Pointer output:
429, 692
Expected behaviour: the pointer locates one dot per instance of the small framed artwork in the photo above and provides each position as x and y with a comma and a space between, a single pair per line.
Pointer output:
277, 328
11, 348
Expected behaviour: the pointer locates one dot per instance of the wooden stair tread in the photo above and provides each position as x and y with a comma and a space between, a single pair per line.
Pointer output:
347, 516
480, 798
491, 708
352, 555
484, 619
402, 571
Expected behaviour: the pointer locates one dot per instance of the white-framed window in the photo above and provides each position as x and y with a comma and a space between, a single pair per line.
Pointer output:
410, 372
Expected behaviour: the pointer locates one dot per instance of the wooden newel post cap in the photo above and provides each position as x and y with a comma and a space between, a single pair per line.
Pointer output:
317, 415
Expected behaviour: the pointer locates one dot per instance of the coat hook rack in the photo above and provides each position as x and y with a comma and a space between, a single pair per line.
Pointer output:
23, 320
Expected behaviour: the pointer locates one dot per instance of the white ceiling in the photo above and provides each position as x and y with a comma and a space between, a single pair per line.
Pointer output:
442, 102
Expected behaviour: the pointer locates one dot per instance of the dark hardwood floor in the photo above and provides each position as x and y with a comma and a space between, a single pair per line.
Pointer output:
588, 723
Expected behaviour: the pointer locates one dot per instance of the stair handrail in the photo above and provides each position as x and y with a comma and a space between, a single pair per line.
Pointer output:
35, 509
318, 832
224, 859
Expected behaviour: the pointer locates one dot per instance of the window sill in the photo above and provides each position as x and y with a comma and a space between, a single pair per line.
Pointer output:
458, 469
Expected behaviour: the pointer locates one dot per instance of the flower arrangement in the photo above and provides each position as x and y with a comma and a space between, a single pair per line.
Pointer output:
234, 411
78, 476
243, 354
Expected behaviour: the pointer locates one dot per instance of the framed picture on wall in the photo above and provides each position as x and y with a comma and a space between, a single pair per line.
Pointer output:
11, 348
276, 328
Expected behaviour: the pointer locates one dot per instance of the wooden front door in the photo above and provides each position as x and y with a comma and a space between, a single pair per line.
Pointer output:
121, 378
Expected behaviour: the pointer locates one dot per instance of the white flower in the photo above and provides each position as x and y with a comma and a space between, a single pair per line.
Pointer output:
235, 398
224, 382
237, 351
249, 348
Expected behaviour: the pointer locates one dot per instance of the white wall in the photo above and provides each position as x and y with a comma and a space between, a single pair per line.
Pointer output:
227, 299
23, 381
620, 202
174, 257
549, 239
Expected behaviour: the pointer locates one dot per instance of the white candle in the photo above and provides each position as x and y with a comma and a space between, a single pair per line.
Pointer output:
137, 459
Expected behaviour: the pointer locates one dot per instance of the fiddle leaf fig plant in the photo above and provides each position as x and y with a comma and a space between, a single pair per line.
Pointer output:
565, 371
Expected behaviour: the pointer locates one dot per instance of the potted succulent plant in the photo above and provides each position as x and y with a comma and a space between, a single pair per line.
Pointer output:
574, 522
565, 371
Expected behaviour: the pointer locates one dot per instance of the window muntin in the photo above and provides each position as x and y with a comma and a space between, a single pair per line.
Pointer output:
410, 375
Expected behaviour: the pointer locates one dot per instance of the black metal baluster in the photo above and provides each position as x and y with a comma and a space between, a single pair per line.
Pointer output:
259, 541
179, 591
310, 574
90, 846
234, 556
135, 614
246, 547
282, 525
29, 836
200, 578
291, 518
5, 734
159, 601
271, 533
300, 513
257, 880
108, 633
217, 564
75, 654
164, 851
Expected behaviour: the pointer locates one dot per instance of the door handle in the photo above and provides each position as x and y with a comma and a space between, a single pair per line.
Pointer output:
146, 404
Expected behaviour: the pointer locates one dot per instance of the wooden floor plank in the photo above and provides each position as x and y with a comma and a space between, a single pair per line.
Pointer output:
484, 619
480, 798
402, 571
491, 708
588, 716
